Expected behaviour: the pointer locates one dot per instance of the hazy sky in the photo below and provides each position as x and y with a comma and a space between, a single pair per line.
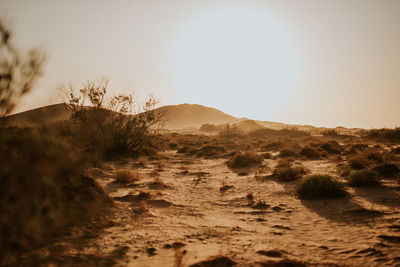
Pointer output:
325, 63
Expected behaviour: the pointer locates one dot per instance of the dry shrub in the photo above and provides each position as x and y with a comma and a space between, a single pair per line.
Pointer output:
285, 153
331, 147
230, 131
364, 178
210, 151
320, 186
119, 127
343, 169
127, 176
220, 261
243, 160
383, 134
365, 159
359, 162
250, 196
287, 174
310, 153
173, 145
19, 70
387, 170
43, 189
282, 163
357, 147
290, 132
331, 133
274, 146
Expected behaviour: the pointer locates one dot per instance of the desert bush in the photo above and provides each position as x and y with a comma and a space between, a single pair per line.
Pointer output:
309, 153
284, 163
365, 158
274, 146
210, 151
285, 153
359, 162
357, 147
127, 176
43, 189
116, 128
331, 133
243, 160
320, 186
291, 132
364, 178
331, 147
19, 71
383, 134
230, 131
287, 174
387, 169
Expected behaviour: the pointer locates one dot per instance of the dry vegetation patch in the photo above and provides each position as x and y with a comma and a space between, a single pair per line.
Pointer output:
127, 176
286, 153
43, 189
310, 153
287, 174
363, 178
244, 160
320, 186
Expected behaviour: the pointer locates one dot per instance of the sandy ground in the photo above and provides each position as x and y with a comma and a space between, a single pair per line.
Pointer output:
184, 218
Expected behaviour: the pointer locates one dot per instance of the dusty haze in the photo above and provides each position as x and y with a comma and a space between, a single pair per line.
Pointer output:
306, 62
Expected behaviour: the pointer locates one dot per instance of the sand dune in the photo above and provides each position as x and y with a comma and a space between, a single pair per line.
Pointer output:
177, 117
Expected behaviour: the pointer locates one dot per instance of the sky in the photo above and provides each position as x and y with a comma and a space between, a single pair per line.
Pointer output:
324, 63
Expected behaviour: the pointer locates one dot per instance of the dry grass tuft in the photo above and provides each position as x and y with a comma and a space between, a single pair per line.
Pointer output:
127, 176
287, 174
243, 160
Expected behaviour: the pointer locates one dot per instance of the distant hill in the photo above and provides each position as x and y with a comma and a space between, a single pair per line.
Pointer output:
177, 117
193, 116
37, 117
248, 125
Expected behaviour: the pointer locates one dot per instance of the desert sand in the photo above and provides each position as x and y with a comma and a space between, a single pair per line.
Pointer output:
186, 207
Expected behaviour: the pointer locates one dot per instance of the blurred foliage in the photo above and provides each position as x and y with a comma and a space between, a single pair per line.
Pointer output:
19, 71
43, 188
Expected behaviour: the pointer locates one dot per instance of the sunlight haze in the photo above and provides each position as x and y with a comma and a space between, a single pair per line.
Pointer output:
324, 63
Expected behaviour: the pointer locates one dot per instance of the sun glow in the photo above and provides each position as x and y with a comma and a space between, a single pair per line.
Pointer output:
237, 58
